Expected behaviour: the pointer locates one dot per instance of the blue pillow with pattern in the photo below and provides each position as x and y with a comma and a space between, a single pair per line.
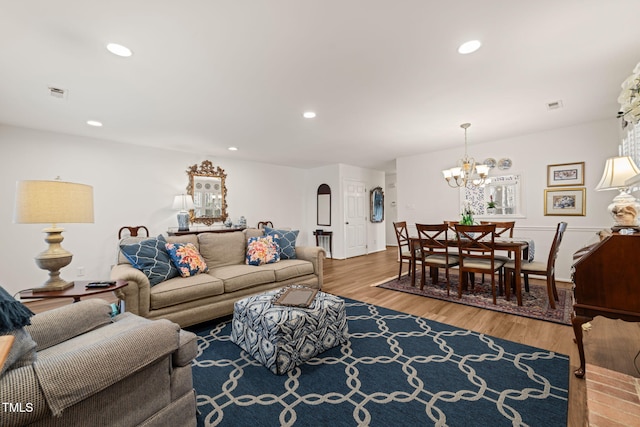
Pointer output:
151, 257
286, 240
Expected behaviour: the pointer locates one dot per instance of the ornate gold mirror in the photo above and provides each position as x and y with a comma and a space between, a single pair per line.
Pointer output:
209, 192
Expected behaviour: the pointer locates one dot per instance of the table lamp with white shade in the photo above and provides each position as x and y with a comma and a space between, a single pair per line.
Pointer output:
624, 208
183, 203
53, 202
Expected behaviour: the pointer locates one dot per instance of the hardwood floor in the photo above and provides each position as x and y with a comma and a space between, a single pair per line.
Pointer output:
353, 278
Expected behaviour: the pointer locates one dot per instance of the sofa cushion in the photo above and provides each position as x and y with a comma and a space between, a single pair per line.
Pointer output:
186, 258
286, 240
253, 232
151, 257
185, 289
220, 249
290, 268
237, 277
262, 250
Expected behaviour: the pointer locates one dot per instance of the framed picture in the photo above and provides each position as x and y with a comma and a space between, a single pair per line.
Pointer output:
565, 201
566, 174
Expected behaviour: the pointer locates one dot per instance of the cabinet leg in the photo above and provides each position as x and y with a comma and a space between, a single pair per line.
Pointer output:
577, 322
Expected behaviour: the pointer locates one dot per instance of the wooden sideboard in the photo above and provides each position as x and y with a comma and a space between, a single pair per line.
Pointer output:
208, 230
607, 283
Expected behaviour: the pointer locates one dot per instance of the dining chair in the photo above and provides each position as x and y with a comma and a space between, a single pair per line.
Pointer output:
263, 224
503, 229
539, 268
434, 251
476, 247
404, 246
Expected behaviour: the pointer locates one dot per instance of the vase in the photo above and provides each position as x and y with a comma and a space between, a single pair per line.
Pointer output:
491, 211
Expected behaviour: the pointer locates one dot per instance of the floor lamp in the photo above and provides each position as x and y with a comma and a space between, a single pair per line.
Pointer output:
53, 202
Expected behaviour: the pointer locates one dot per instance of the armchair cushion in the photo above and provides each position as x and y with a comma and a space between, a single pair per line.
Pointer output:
151, 257
85, 365
22, 353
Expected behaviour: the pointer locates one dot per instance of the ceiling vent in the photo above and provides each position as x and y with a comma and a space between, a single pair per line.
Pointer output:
555, 105
58, 92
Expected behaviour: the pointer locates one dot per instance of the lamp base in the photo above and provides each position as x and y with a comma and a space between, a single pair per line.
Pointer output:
53, 259
183, 221
624, 210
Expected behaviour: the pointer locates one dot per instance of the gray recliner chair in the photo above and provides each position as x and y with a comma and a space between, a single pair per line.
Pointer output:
92, 369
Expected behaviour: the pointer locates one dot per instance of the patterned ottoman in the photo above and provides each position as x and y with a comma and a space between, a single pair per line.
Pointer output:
282, 337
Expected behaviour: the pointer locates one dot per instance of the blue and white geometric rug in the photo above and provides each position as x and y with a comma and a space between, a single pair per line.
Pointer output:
395, 370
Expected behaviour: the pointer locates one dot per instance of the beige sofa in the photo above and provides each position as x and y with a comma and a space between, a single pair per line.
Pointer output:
206, 296
90, 369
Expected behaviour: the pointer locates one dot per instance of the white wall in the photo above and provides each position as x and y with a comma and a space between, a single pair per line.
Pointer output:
424, 196
334, 176
132, 186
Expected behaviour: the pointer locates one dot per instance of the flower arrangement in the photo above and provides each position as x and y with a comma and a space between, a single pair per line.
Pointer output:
491, 204
467, 214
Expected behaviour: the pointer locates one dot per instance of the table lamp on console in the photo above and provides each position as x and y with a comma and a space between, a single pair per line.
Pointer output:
183, 203
625, 208
53, 202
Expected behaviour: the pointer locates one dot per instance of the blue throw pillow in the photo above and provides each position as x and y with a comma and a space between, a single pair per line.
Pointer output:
286, 240
13, 314
151, 257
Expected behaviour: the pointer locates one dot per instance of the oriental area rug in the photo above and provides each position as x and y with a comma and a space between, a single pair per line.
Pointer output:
535, 303
395, 369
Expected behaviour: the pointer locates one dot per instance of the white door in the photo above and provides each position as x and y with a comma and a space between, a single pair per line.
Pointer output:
355, 198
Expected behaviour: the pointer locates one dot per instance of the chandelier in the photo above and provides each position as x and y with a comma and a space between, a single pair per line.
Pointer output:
466, 172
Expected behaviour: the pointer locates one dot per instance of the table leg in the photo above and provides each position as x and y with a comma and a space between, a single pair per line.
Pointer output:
518, 262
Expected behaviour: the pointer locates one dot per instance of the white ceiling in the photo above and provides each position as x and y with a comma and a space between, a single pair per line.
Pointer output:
384, 76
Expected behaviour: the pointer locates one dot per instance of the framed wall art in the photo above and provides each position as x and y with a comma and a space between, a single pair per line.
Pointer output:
565, 201
567, 174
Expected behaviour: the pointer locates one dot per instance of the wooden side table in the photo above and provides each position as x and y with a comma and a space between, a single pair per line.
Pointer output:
77, 291
328, 235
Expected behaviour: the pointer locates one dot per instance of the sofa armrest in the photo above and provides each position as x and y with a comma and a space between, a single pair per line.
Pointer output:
67, 378
55, 326
136, 295
316, 255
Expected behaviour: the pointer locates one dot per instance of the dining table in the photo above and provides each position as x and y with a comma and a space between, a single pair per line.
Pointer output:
521, 247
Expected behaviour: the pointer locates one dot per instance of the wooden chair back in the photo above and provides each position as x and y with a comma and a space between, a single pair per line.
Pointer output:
263, 224
555, 247
402, 235
433, 238
133, 231
475, 243
503, 228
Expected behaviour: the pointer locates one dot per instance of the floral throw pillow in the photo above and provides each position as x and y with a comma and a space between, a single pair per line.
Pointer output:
187, 259
262, 250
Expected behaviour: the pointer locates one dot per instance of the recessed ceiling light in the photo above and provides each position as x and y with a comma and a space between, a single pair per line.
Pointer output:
469, 47
308, 114
94, 123
233, 148
118, 49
